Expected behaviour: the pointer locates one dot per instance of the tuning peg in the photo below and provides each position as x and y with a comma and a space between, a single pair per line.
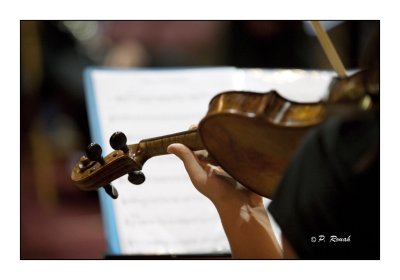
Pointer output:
136, 177
111, 191
118, 141
93, 152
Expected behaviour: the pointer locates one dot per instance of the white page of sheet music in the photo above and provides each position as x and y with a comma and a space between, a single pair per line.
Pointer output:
166, 215
296, 85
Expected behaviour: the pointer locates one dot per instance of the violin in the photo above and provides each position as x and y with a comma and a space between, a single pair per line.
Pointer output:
252, 136
245, 132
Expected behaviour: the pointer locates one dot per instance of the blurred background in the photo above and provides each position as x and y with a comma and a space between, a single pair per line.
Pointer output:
58, 221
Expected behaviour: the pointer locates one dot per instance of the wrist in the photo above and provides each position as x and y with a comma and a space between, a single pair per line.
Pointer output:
237, 201
238, 209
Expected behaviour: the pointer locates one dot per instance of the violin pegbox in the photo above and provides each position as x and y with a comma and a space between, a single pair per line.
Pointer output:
94, 171
88, 162
118, 142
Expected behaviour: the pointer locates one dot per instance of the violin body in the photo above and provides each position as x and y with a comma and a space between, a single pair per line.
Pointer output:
251, 135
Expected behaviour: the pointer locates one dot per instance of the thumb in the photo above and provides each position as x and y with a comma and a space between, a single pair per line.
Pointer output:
192, 166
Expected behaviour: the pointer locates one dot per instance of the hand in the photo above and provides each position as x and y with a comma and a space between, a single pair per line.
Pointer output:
241, 211
212, 181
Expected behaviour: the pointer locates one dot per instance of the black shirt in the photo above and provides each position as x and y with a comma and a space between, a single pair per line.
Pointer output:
327, 203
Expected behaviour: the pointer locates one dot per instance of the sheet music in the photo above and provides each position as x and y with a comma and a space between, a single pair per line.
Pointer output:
293, 84
166, 215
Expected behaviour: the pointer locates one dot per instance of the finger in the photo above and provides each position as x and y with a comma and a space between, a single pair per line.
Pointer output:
204, 156
192, 166
193, 127
201, 154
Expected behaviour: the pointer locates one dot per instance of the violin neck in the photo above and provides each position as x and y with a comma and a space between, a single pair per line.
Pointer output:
157, 146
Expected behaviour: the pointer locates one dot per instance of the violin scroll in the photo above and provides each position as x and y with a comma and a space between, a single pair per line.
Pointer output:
94, 171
